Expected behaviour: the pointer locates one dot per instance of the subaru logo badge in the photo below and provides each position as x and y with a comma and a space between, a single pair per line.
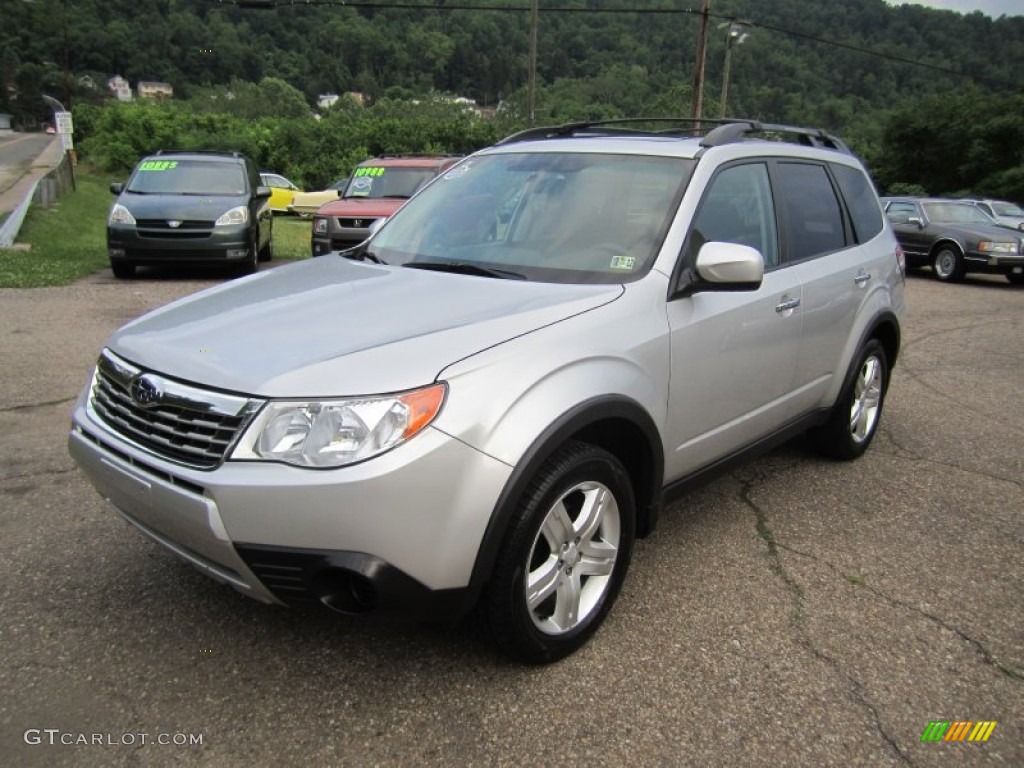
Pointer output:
146, 390
173, 223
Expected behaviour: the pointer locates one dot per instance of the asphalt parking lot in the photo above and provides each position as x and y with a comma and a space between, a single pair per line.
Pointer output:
796, 612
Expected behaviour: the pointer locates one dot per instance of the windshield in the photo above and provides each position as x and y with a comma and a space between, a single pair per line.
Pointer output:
958, 213
553, 217
1008, 209
377, 182
188, 177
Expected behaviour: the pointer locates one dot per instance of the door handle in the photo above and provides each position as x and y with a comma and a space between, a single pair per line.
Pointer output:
787, 304
861, 278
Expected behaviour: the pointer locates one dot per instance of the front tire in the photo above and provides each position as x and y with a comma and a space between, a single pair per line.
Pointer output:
855, 417
251, 263
564, 557
948, 264
123, 270
1015, 279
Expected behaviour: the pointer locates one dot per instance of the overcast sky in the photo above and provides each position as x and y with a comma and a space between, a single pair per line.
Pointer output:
993, 8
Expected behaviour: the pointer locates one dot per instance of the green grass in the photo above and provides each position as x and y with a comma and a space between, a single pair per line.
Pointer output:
68, 240
291, 238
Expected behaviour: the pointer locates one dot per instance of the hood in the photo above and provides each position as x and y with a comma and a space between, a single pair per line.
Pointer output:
328, 327
186, 207
362, 207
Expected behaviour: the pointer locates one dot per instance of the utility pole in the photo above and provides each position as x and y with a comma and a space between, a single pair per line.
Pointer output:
698, 76
67, 57
531, 83
735, 35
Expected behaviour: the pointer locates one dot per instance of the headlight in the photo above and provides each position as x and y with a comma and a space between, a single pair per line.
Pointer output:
988, 246
239, 215
120, 215
320, 225
332, 433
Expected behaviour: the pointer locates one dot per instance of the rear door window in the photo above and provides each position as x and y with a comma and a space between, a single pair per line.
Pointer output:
814, 219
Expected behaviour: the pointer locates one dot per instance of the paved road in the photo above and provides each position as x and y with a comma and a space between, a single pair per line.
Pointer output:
21, 160
797, 612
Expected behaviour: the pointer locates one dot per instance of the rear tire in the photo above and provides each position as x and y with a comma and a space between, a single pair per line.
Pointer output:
855, 417
564, 556
948, 264
123, 270
1015, 279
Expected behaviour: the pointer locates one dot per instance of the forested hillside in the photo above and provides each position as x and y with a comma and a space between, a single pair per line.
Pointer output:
846, 65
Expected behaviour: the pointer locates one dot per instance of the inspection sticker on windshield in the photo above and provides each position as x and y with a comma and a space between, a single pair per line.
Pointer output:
158, 165
457, 171
623, 262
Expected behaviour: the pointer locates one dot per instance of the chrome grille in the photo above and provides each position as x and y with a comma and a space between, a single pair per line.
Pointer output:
182, 423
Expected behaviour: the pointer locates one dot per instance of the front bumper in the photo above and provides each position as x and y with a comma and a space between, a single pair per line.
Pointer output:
398, 534
151, 248
994, 264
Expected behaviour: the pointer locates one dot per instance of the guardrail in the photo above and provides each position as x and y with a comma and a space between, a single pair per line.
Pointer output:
44, 192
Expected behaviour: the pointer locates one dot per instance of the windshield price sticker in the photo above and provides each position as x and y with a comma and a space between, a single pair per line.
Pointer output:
623, 262
158, 165
368, 172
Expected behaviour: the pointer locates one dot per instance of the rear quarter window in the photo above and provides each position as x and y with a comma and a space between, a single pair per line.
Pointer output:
861, 201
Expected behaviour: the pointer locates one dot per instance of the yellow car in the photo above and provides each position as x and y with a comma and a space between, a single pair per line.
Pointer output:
281, 191
305, 204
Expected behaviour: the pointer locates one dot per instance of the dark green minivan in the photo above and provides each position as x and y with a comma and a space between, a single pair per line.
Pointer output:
190, 208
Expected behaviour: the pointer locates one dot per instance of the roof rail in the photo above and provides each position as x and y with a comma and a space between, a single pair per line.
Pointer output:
725, 131
738, 130
684, 126
230, 152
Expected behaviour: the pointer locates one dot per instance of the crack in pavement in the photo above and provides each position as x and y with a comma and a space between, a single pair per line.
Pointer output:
856, 689
33, 406
908, 455
987, 656
41, 473
915, 375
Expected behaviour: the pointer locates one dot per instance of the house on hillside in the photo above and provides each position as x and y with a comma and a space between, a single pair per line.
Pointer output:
152, 90
120, 88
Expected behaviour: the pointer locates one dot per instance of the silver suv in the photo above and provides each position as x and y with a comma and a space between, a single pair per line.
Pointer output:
489, 400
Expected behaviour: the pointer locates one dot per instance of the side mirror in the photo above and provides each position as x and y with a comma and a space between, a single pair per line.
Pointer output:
263, 192
116, 188
916, 220
724, 267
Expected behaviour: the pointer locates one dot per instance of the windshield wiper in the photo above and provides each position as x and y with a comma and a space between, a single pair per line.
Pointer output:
361, 253
465, 268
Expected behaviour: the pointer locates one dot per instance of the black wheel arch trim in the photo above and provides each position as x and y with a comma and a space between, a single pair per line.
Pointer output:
571, 424
886, 328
